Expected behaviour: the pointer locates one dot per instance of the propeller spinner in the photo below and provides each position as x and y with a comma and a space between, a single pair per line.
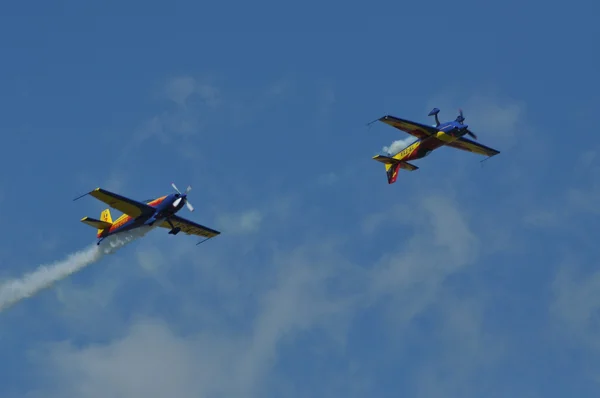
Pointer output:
183, 197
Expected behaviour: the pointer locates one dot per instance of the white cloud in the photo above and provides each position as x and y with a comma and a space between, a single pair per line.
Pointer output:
187, 119
228, 341
151, 360
154, 360
328, 179
494, 118
279, 88
245, 222
314, 289
411, 275
577, 302
180, 89
584, 199
170, 126
151, 259
464, 352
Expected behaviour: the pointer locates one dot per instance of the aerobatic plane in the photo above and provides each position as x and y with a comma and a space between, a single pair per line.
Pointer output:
136, 214
429, 138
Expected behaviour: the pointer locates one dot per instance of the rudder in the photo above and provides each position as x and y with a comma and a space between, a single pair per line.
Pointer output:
391, 170
105, 216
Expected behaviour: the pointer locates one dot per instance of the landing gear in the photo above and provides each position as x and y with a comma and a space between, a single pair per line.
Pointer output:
173, 231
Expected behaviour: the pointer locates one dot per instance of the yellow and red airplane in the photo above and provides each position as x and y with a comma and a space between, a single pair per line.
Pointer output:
136, 214
429, 138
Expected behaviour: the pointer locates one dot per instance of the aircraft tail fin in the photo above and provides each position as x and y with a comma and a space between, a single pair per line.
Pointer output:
392, 166
102, 224
105, 216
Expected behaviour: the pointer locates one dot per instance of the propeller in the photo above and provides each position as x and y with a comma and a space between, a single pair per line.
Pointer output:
461, 119
472, 134
184, 195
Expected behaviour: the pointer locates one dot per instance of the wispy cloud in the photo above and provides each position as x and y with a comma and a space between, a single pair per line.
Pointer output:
315, 290
328, 179
412, 275
577, 301
244, 322
235, 361
194, 100
180, 89
462, 352
248, 221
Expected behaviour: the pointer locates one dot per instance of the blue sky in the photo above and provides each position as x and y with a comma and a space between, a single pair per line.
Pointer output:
458, 280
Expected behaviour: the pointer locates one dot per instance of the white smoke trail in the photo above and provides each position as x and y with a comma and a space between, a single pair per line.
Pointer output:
398, 145
45, 276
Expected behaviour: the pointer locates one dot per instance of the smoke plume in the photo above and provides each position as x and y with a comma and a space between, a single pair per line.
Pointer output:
45, 276
398, 145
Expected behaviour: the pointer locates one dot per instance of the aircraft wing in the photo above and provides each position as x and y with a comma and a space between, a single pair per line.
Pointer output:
190, 227
471, 146
131, 207
416, 129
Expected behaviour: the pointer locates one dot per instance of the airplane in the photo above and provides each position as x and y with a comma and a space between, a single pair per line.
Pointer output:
429, 138
136, 214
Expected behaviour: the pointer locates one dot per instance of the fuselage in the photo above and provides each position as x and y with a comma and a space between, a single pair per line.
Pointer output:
165, 206
447, 132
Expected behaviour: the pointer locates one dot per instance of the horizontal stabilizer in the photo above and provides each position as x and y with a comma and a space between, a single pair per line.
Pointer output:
386, 159
92, 222
408, 166
389, 160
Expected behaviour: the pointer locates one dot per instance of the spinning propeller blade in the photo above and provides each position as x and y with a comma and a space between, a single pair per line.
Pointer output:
184, 196
461, 119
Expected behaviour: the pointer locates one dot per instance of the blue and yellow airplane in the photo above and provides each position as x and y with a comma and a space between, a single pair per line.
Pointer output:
136, 214
429, 138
